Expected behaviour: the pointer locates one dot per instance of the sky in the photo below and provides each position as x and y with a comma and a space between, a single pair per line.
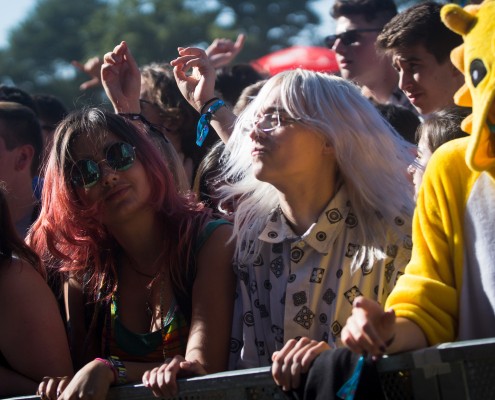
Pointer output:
14, 11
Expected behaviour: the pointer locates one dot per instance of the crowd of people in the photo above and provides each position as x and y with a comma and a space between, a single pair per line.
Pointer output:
220, 219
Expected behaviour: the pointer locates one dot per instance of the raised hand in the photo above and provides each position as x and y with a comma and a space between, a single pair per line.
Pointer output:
294, 359
198, 86
92, 67
121, 79
222, 51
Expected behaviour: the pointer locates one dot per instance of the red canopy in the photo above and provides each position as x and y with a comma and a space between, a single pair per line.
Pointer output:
306, 57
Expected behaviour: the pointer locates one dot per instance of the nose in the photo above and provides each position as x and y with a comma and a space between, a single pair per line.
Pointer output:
405, 81
339, 47
256, 134
109, 177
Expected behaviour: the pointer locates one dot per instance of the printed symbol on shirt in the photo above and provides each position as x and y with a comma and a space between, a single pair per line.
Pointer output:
323, 318
399, 274
366, 266
258, 262
329, 296
274, 216
235, 345
277, 248
334, 215
250, 248
304, 317
296, 254
351, 220
277, 266
299, 298
317, 275
244, 277
249, 318
267, 285
399, 221
408, 244
279, 333
260, 345
321, 236
352, 249
392, 250
336, 328
339, 273
272, 235
292, 278
253, 287
389, 270
262, 308
352, 293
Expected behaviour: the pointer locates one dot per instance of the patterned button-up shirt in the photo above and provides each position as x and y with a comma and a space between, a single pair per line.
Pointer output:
305, 285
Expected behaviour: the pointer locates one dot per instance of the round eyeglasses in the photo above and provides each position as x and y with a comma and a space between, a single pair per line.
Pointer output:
119, 156
269, 122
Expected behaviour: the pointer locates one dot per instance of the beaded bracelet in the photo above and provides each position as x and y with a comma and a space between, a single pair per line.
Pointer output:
204, 121
109, 365
120, 368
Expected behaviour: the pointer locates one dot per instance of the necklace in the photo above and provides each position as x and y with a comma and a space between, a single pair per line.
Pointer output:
137, 271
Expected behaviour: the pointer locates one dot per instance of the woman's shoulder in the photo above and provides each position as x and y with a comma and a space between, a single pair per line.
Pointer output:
19, 278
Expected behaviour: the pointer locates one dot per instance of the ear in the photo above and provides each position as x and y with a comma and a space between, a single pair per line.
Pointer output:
328, 148
24, 157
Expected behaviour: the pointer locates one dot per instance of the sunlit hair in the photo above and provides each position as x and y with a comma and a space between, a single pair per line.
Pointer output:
372, 158
71, 237
11, 245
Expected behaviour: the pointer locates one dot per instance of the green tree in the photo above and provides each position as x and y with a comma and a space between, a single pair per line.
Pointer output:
58, 31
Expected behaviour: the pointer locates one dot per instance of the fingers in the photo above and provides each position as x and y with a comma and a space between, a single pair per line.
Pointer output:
368, 328
294, 359
193, 368
52, 387
163, 380
239, 43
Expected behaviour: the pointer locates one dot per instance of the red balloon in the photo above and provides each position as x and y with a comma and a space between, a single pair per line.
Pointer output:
313, 58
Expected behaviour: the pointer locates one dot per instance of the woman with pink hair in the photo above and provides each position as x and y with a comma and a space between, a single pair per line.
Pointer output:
136, 258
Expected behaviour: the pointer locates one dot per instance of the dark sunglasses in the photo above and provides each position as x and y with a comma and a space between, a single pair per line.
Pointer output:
348, 37
119, 156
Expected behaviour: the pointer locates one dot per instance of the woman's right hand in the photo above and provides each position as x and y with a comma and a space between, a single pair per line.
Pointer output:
121, 79
162, 380
369, 329
199, 86
91, 382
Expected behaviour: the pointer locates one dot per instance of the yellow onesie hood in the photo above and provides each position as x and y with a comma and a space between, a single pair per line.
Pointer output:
476, 59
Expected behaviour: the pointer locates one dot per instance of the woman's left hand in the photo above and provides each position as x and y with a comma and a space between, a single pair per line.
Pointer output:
294, 359
163, 380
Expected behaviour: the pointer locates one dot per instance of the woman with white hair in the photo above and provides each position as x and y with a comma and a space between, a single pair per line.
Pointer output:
323, 210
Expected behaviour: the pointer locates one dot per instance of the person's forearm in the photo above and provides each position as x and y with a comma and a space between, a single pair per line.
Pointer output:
223, 122
14, 384
408, 337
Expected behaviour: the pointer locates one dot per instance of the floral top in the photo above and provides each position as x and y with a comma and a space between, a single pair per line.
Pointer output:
305, 285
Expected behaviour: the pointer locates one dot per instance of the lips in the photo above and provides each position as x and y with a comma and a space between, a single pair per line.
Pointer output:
116, 193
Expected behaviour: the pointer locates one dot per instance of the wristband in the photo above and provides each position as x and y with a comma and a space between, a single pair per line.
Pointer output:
204, 121
109, 365
206, 103
120, 368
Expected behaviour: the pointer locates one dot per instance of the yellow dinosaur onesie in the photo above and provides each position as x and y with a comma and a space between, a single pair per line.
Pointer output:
448, 288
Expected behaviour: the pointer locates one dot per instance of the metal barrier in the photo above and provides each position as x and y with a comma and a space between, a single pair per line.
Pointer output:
450, 371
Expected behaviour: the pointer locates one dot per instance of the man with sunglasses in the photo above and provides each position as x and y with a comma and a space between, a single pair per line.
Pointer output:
358, 25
